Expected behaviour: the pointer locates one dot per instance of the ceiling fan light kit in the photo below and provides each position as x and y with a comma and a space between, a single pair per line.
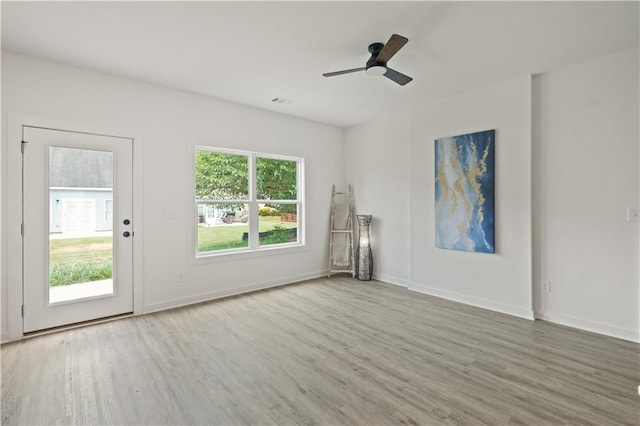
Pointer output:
376, 70
377, 63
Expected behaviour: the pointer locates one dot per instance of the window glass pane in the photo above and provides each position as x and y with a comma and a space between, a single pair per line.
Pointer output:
278, 224
221, 176
276, 179
222, 226
80, 240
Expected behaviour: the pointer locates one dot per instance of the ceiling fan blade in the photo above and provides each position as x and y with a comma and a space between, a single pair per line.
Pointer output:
394, 44
398, 77
331, 74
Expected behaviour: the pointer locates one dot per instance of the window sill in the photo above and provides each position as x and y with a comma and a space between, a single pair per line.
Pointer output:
240, 254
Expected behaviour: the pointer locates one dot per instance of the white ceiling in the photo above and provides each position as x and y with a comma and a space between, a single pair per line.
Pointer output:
252, 52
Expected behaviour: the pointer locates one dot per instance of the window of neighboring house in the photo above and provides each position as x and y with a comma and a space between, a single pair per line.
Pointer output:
246, 201
108, 210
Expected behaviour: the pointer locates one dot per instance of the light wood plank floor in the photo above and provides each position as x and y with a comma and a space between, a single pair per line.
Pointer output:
328, 351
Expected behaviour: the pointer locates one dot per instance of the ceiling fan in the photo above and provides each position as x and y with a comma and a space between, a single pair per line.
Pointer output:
377, 63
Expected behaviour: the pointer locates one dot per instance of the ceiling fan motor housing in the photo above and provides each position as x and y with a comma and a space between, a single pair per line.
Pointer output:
375, 49
378, 67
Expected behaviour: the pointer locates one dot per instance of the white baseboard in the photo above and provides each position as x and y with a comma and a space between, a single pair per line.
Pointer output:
391, 280
227, 292
474, 301
592, 326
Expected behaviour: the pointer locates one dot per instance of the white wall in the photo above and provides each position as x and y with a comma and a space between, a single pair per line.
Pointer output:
586, 165
171, 123
500, 281
561, 195
376, 165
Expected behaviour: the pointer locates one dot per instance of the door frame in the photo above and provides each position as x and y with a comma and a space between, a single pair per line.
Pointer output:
14, 198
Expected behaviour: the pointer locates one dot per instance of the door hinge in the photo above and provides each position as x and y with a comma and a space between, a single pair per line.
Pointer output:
22, 146
22, 311
22, 229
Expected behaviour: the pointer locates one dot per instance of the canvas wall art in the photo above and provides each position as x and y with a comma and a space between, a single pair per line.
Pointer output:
464, 192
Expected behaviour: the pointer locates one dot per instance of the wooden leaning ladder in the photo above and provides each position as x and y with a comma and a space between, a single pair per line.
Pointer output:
341, 246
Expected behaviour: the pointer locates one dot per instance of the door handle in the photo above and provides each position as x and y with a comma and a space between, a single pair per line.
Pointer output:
126, 234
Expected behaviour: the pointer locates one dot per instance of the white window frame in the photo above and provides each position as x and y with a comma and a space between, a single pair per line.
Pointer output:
253, 204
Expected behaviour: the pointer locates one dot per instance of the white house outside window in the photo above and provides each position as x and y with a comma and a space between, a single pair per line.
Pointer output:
247, 201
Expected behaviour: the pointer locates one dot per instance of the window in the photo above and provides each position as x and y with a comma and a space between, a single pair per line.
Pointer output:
108, 210
246, 201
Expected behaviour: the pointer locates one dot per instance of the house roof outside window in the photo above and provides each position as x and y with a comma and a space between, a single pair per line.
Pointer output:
80, 168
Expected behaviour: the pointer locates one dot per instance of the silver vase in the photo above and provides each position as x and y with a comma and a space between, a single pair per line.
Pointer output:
364, 267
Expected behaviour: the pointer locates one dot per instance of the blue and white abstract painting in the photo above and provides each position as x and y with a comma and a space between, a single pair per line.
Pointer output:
464, 175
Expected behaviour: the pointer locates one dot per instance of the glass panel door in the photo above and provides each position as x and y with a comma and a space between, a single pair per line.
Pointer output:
78, 229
